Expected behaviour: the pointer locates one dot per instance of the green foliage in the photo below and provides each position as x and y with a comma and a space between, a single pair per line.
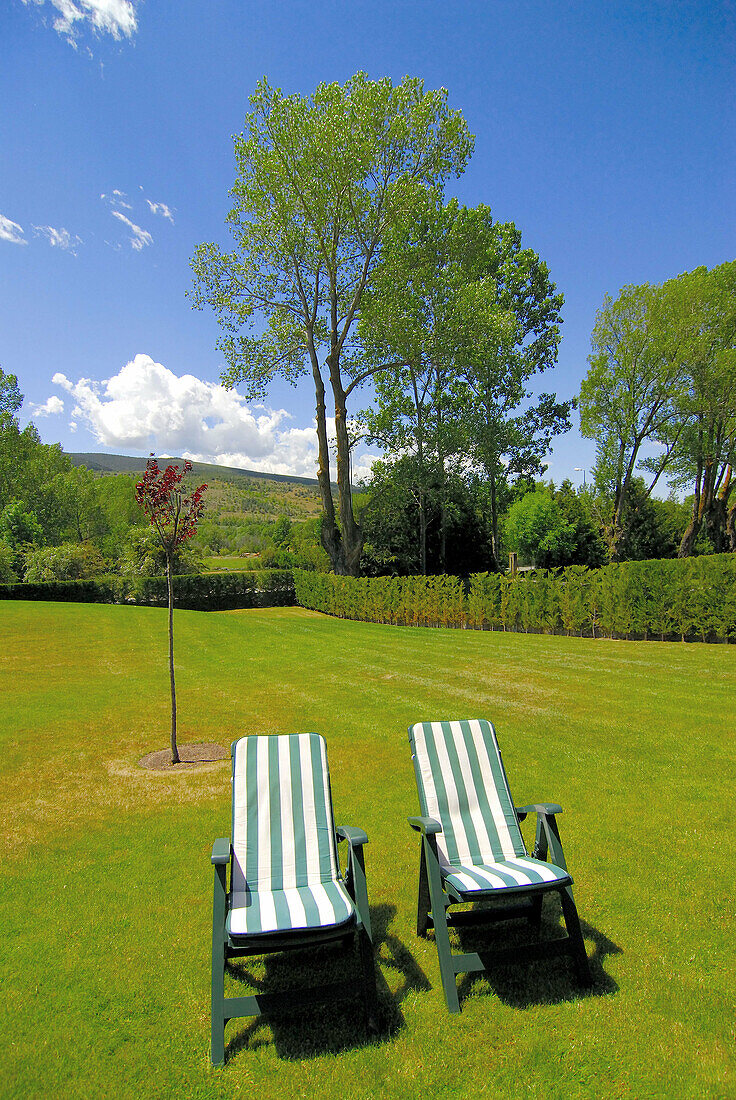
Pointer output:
7, 563
100, 590
690, 598
18, 527
199, 592
143, 555
549, 528
68, 562
468, 316
403, 601
663, 373
216, 591
422, 522
537, 530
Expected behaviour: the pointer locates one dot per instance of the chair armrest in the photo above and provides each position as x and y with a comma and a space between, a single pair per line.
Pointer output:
548, 809
355, 836
221, 850
427, 826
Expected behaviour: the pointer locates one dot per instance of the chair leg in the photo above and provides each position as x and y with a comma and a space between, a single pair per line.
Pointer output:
368, 968
535, 912
217, 1041
572, 923
423, 902
444, 953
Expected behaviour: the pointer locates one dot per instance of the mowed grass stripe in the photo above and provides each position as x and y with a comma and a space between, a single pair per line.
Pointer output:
107, 882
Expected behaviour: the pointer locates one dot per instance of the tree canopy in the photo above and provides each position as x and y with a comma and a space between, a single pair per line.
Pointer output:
469, 316
662, 378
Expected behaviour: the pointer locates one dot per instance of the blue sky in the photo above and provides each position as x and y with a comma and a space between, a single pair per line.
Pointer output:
605, 131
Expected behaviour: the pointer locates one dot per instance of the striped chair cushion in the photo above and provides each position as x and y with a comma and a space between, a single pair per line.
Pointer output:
510, 874
285, 873
301, 907
463, 785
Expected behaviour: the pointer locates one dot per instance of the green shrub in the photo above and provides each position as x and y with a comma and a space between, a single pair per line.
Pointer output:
197, 592
695, 598
72, 561
7, 563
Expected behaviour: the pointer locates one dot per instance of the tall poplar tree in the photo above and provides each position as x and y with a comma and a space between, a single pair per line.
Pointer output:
320, 180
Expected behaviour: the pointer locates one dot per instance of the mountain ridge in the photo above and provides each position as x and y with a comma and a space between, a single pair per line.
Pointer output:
101, 463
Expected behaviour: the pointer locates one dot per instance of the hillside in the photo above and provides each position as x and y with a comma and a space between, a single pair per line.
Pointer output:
126, 464
242, 507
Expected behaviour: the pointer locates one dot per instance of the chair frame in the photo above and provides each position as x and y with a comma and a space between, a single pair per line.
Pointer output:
226, 946
436, 897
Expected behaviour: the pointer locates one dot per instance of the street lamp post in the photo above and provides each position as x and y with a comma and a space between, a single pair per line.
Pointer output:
580, 470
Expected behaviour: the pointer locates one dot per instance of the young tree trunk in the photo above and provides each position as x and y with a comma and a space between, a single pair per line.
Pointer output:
422, 533
494, 522
170, 585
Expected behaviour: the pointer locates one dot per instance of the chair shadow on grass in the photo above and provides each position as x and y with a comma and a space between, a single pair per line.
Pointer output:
331, 1027
545, 981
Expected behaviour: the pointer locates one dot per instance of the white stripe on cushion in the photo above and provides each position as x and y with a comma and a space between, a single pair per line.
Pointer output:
288, 858
308, 807
263, 787
499, 819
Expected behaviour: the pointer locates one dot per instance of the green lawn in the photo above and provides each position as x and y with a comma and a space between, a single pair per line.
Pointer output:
106, 891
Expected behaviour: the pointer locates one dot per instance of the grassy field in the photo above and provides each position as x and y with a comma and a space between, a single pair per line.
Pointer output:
106, 880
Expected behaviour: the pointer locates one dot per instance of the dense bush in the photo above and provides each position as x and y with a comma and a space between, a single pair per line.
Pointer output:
101, 590
689, 598
199, 592
72, 561
216, 591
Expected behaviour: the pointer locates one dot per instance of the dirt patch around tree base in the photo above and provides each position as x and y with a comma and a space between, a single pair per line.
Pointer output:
190, 756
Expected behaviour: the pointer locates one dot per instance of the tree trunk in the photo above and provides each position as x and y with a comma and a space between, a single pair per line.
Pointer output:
330, 532
422, 533
351, 534
494, 521
731, 528
170, 585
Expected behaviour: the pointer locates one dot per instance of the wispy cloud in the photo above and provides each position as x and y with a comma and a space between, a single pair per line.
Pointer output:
139, 238
118, 200
11, 231
59, 238
114, 17
162, 209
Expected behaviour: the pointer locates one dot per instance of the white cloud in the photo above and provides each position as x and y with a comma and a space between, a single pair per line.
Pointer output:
139, 237
147, 407
114, 17
11, 231
162, 209
59, 238
51, 407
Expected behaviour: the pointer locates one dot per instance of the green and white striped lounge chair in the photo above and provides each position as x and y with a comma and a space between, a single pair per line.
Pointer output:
472, 849
286, 887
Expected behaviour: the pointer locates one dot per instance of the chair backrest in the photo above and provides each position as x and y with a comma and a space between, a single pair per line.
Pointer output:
283, 831
462, 783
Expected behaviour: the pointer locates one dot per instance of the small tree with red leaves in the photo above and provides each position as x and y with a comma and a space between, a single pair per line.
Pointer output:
174, 517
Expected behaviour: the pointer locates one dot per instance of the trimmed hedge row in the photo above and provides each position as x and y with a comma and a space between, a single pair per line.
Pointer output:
690, 598
193, 592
